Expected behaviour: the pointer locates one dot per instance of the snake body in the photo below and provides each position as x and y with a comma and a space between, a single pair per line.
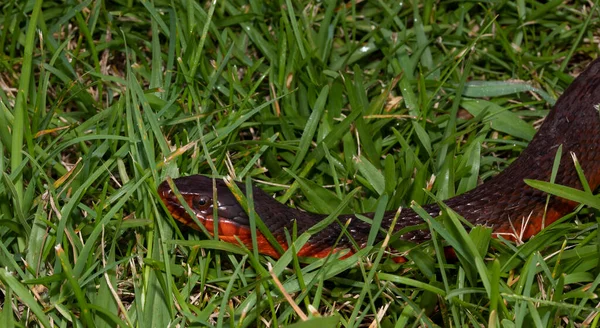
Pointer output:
504, 203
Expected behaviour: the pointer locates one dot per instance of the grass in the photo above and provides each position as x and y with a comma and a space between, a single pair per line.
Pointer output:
349, 106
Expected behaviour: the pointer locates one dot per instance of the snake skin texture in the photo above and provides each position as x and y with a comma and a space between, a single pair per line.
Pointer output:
505, 203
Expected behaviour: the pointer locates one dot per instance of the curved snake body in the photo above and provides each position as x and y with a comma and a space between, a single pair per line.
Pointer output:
504, 203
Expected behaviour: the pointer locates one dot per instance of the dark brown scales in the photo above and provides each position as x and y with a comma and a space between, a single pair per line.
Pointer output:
504, 203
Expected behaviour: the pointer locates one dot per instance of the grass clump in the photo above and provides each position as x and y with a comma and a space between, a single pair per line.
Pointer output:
320, 103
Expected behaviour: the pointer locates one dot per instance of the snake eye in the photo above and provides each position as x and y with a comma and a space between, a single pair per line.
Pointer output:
202, 202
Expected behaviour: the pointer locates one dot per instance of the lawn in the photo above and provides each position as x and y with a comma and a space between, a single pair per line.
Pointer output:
326, 105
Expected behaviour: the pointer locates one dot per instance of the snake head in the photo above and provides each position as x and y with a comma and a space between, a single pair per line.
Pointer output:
198, 191
233, 224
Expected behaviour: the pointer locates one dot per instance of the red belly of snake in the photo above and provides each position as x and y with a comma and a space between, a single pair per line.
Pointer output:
504, 203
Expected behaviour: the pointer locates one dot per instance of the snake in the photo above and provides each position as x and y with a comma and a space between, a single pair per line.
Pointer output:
505, 203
